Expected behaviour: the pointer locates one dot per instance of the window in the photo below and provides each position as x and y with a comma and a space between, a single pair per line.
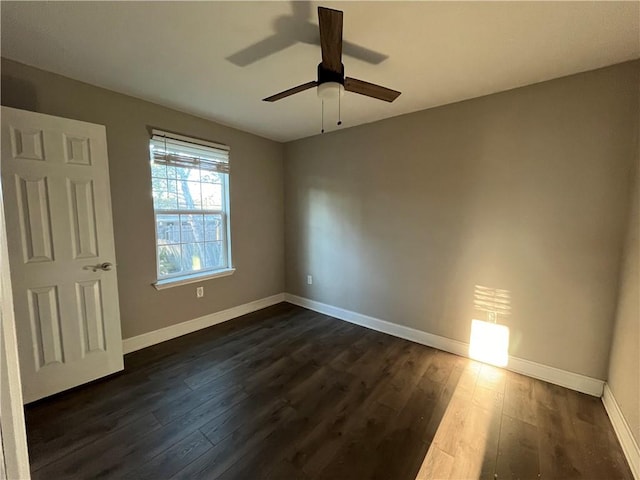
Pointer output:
190, 184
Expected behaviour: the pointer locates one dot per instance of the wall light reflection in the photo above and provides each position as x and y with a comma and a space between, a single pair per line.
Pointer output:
489, 340
489, 343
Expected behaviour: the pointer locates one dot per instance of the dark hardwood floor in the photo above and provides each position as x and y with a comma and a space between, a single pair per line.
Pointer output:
286, 393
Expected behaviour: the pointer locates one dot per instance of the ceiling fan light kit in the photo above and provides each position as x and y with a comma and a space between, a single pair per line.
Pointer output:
330, 90
331, 82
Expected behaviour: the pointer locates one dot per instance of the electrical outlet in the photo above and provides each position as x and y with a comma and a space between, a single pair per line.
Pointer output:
199, 292
309, 280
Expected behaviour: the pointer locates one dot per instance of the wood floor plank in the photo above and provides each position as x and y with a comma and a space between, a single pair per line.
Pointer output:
244, 438
520, 401
445, 394
423, 404
518, 450
316, 448
257, 406
216, 397
353, 353
173, 459
65, 443
144, 449
602, 457
319, 446
436, 465
441, 365
399, 455
405, 377
449, 411
475, 455
560, 452
109, 395
252, 357
374, 384
359, 455
70, 431
223, 350
326, 344
284, 470
158, 357
81, 463
309, 404
492, 378
453, 423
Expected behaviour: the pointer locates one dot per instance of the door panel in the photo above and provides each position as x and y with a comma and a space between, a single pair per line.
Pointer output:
46, 330
83, 214
89, 298
35, 224
58, 207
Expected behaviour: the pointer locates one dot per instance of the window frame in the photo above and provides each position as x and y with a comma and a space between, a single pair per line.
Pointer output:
194, 276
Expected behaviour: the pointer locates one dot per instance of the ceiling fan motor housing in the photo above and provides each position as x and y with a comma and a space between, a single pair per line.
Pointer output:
325, 75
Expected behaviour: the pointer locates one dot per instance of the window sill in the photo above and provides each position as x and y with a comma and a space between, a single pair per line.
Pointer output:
194, 278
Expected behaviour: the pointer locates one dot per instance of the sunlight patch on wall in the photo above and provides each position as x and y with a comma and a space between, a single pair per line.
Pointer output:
489, 343
489, 340
493, 301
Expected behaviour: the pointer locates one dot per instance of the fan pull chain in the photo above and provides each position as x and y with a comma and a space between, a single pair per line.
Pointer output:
322, 116
339, 114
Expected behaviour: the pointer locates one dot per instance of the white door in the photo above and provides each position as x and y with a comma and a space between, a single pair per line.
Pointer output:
55, 180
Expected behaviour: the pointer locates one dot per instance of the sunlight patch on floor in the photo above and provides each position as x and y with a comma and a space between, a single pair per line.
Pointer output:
468, 425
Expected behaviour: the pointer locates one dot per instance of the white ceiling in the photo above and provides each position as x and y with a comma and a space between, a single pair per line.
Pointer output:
175, 53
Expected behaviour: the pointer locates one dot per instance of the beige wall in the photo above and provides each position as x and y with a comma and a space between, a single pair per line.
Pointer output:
256, 197
624, 366
525, 190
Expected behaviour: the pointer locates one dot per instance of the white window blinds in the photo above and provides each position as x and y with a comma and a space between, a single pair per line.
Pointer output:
175, 150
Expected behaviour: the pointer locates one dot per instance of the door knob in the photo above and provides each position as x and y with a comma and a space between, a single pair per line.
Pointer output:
106, 266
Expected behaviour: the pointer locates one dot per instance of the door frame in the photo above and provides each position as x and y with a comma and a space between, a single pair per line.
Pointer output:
12, 425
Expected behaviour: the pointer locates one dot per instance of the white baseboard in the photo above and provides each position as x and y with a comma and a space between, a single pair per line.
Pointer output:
157, 336
418, 336
564, 378
574, 381
623, 431
549, 374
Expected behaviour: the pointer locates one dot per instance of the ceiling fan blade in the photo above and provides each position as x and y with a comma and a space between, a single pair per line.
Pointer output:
370, 89
331, 38
291, 91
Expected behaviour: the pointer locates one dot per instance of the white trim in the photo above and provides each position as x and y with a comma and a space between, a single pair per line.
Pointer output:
14, 438
192, 278
574, 381
158, 336
623, 431
564, 378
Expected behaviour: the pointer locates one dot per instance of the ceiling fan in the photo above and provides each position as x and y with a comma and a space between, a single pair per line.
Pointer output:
331, 80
